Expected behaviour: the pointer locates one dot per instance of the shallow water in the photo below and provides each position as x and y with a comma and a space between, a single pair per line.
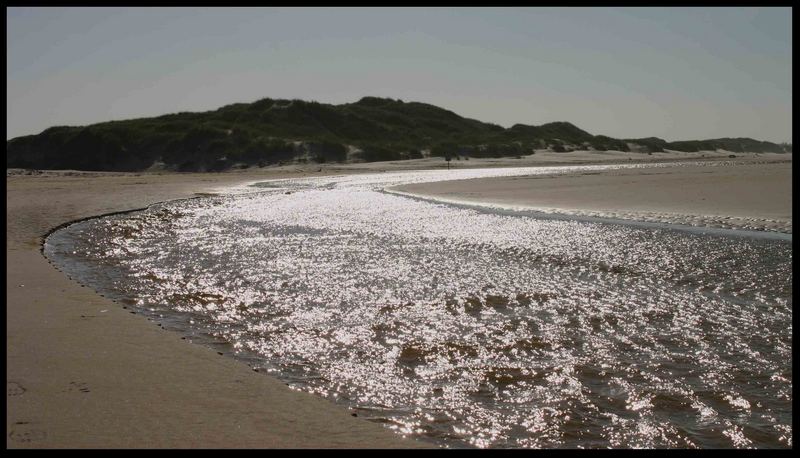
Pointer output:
466, 326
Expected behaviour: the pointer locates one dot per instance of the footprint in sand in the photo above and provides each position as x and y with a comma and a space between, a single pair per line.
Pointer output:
77, 387
23, 434
14, 389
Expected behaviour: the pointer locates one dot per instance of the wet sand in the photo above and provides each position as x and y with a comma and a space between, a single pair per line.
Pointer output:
743, 195
83, 371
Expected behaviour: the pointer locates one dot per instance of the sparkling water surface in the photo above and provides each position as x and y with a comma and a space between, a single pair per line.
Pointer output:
465, 326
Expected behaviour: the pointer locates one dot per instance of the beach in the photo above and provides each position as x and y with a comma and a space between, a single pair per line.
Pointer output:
755, 195
85, 372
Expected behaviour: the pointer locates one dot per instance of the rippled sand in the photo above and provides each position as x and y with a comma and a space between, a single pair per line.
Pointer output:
466, 326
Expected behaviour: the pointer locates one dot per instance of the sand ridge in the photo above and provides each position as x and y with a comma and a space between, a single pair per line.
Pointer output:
731, 195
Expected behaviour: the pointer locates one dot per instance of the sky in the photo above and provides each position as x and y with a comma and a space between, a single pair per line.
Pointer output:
674, 73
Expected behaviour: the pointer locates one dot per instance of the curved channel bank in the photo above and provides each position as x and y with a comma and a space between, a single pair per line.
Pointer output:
740, 196
83, 371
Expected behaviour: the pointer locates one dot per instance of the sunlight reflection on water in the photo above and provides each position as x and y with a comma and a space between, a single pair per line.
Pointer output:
469, 327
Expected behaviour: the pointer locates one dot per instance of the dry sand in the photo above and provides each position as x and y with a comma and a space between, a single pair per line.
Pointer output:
84, 372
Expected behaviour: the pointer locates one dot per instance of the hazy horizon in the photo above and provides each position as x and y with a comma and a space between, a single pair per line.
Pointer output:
673, 73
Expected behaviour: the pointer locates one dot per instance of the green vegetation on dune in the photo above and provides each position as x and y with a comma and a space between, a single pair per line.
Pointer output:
271, 131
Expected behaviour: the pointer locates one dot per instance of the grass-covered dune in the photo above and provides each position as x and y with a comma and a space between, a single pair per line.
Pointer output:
272, 131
